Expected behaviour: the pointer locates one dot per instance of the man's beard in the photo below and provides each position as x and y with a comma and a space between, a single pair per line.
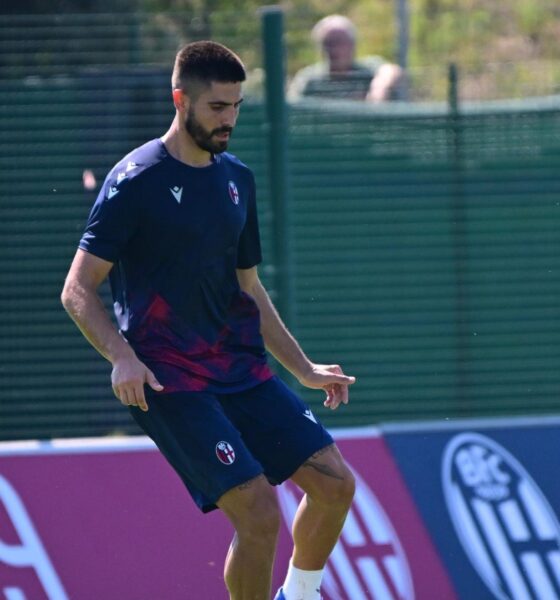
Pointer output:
203, 137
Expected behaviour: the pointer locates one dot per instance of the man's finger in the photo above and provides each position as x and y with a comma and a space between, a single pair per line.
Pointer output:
140, 399
337, 395
123, 396
344, 394
344, 379
339, 375
153, 382
335, 402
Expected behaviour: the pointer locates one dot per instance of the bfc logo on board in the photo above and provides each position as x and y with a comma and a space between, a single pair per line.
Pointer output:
225, 453
504, 523
368, 560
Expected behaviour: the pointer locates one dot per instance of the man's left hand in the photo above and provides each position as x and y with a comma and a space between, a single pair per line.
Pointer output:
332, 380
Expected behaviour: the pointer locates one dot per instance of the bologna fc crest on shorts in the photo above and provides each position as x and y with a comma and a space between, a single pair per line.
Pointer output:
233, 193
225, 453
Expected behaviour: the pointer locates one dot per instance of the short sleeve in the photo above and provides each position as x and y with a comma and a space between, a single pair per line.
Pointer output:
112, 220
249, 247
372, 63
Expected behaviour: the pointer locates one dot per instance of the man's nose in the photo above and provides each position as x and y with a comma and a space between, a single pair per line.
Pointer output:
229, 117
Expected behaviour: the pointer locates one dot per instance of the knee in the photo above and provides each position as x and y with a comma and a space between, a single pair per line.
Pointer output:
262, 521
339, 493
265, 522
344, 493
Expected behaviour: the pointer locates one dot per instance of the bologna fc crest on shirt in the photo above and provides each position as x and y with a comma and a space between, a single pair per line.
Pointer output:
225, 453
505, 524
233, 193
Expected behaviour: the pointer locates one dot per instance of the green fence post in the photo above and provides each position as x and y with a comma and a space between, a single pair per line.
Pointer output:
453, 90
277, 142
460, 240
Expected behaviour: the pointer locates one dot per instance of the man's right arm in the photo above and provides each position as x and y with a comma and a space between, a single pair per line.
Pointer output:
82, 302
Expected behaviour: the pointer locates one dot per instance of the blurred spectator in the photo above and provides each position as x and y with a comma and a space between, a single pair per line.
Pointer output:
340, 74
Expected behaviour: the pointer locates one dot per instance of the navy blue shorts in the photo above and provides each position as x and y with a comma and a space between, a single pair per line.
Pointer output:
216, 442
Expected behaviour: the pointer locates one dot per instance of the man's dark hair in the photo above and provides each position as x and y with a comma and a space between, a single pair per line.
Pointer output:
199, 64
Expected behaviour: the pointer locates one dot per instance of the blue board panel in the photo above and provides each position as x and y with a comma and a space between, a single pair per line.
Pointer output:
489, 493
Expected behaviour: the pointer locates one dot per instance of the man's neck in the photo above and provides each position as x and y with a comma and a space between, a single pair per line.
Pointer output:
340, 70
183, 148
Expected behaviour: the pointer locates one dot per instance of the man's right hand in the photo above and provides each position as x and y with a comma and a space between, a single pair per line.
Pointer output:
128, 378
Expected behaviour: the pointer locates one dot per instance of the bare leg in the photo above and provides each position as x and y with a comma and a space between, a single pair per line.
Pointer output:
329, 488
253, 510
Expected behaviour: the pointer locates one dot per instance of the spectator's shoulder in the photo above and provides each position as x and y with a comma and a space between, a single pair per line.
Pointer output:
306, 76
314, 71
371, 63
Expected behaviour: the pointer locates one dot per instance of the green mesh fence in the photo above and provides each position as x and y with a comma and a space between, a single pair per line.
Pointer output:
427, 254
426, 247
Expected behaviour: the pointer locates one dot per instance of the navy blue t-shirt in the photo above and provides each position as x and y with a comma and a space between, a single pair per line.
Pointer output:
176, 234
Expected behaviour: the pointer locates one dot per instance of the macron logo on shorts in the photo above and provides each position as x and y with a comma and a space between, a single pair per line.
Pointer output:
225, 453
308, 414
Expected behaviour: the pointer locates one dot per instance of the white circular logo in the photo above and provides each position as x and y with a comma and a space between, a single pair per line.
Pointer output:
502, 519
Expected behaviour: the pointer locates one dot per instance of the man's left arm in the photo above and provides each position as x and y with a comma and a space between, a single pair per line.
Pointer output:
283, 346
387, 84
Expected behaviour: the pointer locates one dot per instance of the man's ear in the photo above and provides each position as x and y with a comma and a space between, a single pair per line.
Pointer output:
180, 100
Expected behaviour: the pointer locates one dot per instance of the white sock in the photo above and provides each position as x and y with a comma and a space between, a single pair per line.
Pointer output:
302, 585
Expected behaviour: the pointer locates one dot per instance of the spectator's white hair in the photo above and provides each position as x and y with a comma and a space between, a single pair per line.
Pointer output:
331, 23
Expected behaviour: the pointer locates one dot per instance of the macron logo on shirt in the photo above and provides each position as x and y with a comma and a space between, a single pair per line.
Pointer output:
177, 193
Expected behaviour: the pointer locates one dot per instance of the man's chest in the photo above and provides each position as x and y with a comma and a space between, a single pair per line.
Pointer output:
208, 213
